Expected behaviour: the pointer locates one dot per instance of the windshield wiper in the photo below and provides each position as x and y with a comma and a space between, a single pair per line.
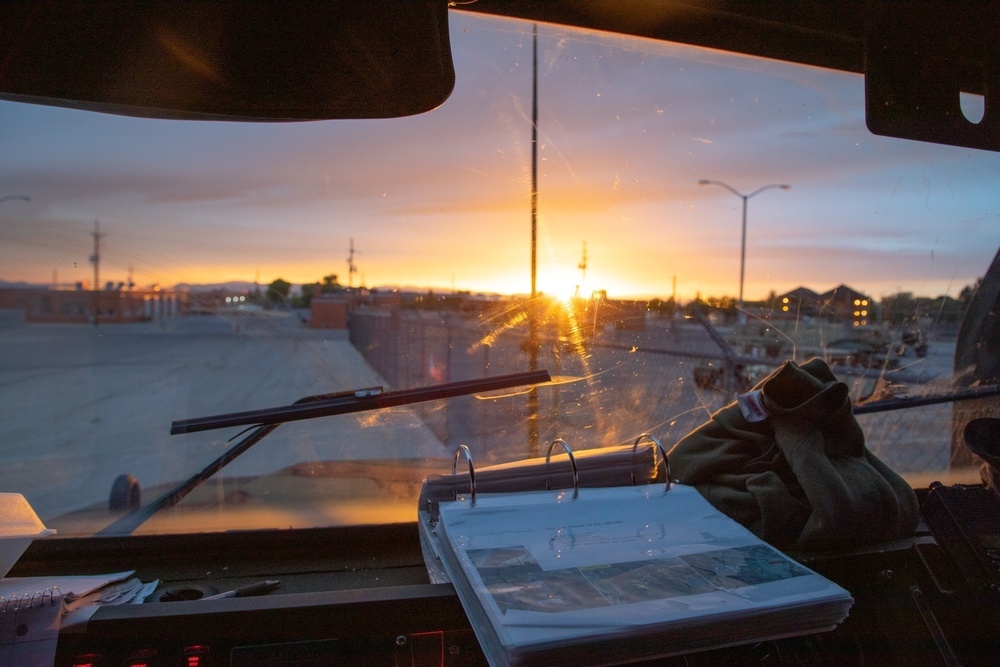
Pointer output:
310, 407
325, 405
905, 402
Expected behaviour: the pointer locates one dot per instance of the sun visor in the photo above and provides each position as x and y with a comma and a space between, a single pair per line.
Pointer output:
261, 61
932, 72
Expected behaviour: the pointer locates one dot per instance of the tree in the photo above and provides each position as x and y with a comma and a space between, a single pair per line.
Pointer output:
900, 308
969, 291
277, 291
662, 308
696, 305
330, 284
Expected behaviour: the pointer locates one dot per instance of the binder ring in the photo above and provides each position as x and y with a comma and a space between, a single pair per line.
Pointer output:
462, 449
572, 460
663, 454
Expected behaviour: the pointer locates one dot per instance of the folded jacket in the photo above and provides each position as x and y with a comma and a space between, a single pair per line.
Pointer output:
788, 461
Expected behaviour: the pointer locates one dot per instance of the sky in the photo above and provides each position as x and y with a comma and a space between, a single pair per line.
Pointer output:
627, 128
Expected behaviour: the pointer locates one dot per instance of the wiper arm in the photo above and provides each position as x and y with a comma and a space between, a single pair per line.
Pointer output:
309, 407
904, 402
325, 405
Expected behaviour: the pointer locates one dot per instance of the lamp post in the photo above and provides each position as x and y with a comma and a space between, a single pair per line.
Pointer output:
4, 198
743, 243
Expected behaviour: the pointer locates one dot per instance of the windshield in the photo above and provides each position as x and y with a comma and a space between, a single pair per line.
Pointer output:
698, 219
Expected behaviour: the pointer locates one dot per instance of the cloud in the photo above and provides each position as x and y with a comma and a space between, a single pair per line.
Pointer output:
626, 130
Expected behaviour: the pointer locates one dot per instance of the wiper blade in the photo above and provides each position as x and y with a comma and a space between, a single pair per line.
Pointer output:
309, 407
272, 415
325, 405
905, 402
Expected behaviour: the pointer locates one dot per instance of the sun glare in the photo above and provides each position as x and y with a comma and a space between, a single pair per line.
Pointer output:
561, 284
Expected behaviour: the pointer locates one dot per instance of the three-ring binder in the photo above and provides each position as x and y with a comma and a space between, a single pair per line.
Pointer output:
663, 454
621, 574
572, 460
634, 464
462, 449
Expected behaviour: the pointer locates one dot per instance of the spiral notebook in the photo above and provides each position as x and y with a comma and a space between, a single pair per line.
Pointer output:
599, 576
33, 610
29, 627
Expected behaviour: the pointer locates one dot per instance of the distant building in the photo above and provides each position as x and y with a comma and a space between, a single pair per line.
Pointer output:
14, 297
842, 303
109, 306
800, 302
329, 312
846, 304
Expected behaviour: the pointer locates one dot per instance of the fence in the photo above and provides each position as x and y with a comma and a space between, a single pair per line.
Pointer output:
611, 384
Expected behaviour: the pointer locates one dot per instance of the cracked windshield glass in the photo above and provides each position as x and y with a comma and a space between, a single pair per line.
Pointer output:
287, 325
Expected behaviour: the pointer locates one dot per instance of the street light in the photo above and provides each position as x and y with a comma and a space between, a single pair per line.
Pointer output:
743, 244
4, 198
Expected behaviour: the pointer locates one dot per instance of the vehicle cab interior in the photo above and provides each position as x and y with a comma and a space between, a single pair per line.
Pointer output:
280, 280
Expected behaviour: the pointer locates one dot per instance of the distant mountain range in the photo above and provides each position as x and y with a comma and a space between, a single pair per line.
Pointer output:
4, 284
231, 286
247, 287
239, 286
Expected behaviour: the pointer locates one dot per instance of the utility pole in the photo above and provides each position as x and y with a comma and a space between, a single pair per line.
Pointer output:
583, 268
676, 306
351, 267
533, 304
95, 259
4, 198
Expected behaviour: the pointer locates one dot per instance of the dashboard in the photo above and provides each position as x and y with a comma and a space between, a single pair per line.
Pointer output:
362, 596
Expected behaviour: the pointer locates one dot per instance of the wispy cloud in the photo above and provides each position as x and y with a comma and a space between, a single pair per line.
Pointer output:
626, 131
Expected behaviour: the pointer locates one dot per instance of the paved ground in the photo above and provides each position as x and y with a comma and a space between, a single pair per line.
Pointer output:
81, 405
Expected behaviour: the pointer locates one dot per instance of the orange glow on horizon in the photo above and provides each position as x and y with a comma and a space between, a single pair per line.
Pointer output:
632, 258
624, 280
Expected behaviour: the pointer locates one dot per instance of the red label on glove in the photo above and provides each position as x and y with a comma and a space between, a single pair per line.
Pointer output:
752, 406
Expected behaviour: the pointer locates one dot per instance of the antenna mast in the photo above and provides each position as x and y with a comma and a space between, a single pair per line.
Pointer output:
351, 266
95, 259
